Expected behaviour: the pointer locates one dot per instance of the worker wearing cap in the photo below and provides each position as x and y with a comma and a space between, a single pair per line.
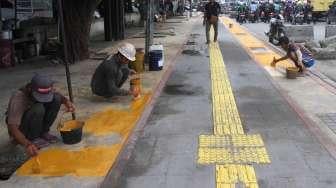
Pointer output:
113, 72
31, 112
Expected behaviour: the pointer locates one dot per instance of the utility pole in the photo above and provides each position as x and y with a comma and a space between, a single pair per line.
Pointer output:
149, 29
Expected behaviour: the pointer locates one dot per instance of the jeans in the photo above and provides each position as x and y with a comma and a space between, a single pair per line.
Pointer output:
38, 119
207, 30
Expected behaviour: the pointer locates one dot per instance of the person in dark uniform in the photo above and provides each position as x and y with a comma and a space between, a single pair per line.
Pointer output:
211, 12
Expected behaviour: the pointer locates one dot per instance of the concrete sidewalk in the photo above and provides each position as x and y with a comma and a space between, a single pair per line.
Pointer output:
166, 155
108, 124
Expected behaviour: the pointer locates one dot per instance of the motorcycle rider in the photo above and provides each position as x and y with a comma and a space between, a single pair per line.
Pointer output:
241, 9
253, 9
307, 9
269, 8
289, 10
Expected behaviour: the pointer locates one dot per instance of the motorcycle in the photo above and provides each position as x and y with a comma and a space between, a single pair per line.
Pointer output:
263, 17
299, 18
252, 17
309, 17
241, 18
277, 29
270, 16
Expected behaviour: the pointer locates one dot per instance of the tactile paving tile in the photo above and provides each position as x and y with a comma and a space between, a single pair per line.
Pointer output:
214, 141
225, 113
233, 155
247, 140
229, 148
227, 176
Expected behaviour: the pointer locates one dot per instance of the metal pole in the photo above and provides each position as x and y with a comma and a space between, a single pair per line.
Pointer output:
66, 57
0, 14
148, 31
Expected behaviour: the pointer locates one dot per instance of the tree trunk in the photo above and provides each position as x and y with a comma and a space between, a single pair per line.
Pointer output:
78, 17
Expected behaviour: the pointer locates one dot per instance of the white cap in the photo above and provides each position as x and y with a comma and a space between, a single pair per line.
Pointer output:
128, 51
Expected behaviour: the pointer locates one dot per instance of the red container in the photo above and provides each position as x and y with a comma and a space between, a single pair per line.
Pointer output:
6, 53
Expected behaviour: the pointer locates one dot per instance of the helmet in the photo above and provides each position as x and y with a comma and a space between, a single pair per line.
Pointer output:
128, 51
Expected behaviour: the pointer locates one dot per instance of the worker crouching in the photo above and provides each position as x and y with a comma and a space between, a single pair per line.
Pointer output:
113, 73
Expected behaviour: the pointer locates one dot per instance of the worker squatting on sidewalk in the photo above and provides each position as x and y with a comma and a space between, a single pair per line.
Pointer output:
31, 112
113, 72
33, 109
301, 56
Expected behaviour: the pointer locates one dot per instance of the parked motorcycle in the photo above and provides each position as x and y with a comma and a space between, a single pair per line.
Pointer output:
277, 29
299, 18
252, 17
309, 18
242, 18
263, 17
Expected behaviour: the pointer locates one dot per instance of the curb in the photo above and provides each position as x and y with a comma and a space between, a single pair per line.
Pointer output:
111, 180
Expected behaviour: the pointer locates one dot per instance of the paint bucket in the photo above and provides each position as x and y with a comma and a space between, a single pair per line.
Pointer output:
135, 87
138, 65
292, 72
71, 131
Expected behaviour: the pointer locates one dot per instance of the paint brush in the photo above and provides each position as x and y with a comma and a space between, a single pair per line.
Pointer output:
36, 165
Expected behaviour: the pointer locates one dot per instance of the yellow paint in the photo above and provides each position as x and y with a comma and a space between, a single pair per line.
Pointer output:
71, 125
90, 161
249, 41
116, 121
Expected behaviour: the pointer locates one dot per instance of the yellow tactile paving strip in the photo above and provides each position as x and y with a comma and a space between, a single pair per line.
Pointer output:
240, 140
229, 148
233, 155
249, 41
228, 175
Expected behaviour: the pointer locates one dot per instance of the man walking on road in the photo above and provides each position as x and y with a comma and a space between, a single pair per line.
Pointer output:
113, 72
212, 10
301, 56
31, 112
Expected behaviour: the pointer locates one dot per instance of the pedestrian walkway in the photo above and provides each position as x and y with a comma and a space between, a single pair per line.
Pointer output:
189, 119
298, 92
108, 124
229, 148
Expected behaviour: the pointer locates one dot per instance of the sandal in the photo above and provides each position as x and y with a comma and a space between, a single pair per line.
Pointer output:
50, 138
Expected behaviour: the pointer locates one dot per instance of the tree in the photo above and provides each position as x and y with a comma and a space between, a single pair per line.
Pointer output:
78, 15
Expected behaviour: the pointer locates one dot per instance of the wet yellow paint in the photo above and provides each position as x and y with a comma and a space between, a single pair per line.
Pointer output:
91, 161
71, 125
116, 121
249, 41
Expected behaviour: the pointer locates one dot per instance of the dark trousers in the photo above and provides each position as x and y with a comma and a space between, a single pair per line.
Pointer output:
38, 119
207, 30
